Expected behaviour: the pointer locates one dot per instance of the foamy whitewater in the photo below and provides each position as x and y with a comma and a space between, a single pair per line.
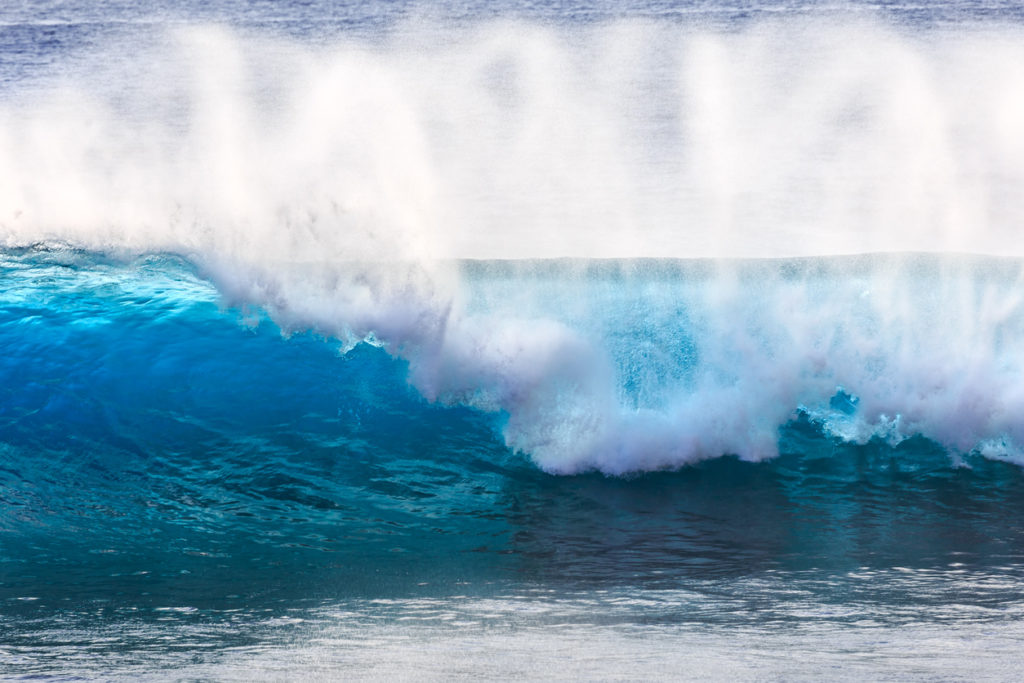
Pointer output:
401, 332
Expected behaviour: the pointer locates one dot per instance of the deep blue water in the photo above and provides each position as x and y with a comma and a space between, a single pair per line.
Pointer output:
539, 340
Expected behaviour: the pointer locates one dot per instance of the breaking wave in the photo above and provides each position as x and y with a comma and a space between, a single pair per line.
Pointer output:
633, 243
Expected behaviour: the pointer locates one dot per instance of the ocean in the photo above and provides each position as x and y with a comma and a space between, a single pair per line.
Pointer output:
511, 340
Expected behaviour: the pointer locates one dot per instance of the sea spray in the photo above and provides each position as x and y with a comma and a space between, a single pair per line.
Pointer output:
517, 140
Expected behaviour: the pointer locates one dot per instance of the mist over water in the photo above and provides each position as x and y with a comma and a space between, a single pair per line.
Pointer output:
518, 139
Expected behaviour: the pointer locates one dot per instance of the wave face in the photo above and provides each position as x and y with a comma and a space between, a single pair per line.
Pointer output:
619, 366
146, 428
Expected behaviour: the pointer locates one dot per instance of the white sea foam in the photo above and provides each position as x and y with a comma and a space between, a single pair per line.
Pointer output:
338, 187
